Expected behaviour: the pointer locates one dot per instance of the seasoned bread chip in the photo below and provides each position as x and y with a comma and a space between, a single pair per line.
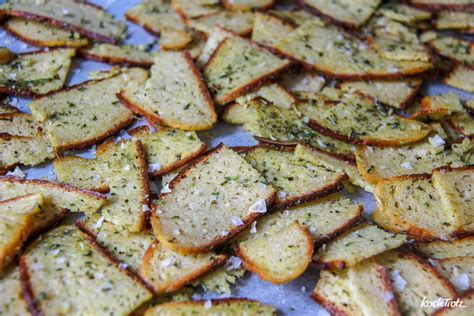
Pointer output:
27, 151
397, 94
278, 257
237, 66
80, 17
338, 54
81, 173
297, 180
404, 13
400, 50
128, 55
436, 5
167, 271
273, 93
454, 48
11, 300
468, 301
237, 22
189, 9
459, 271
359, 243
413, 280
174, 39
87, 113
220, 185
461, 77
452, 20
59, 195
358, 120
304, 84
19, 124
463, 247
349, 13
245, 5
214, 39
177, 98
269, 29
462, 124
67, 272
36, 73
437, 107
230, 307
40, 34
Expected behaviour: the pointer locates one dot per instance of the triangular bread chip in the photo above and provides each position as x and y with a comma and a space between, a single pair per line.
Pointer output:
404, 13
452, 20
36, 73
463, 247
468, 303
235, 195
399, 49
27, 151
459, 271
296, 180
461, 77
40, 34
214, 39
174, 39
238, 22
269, 29
127, 55
237, 66
167, 271
359, 243
340, 55
188, 9
454, 48
246, 5
86, 19
11, 300
177, 98
67, 270
19, 124
87, 113
462, 124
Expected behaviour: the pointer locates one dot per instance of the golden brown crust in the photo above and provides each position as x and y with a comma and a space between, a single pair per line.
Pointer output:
114, 60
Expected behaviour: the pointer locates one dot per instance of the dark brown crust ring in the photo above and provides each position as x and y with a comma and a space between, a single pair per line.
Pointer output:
114, 60
179, 284
217, 241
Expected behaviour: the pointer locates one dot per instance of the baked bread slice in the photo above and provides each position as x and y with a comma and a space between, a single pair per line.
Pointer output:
127, 55
86, 19
296, 180
238, 22
395, 93
454, 49
36, 73
461, 77
462, 124
66, 271
352, 14
177, 98
458, 21
246, 5
404, 13
40, 34
438, 5
400, 49
302, 84
27, 151
463, 247
358, 120
220, 185
459, 271
230, 306
413, 280
174, 39
167, 271
337, 54
87, 113
468, 301
269, 29
273, 93
189, 9
214, 39
19, 124
237, 66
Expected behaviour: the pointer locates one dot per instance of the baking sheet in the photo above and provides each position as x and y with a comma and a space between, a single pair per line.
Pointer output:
289, 299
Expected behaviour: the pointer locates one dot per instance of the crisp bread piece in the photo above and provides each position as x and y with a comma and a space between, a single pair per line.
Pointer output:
11, 300
437, 107
296, 180
237, 22
269, 29
40, 34
454, 48
214, 39
177, 98
340, 55
359, 243
348, 13
404, 13
303, 84
168, 271
88, 20
400, 50
128, 55
174, 39
189, 9
278, 257
26, 151
358, 120
462, 124
19, 124
68, 271
246, 5
36, 73
295, 16
461, 77
458, 271
463, 247
87, 113
220, 185
230, 306
237, 66
467, 301
436, 5
398, 94
413, 280
452, 20
273, 93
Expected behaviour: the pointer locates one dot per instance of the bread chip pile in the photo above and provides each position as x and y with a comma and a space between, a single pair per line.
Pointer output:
138, 217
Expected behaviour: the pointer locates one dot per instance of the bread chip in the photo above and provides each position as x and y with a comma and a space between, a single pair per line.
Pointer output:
235, 195
278, 257
397, 94
40, 34
359, 243
81, 173
454, 48
452, 20
246, 5
87, 113
304, 85
404, 13
467, 301
269, 29
128, 55
27, 151
463, 247
11, 300
413, 281
461, 77
273, 93
177, 98
438, 107
237, 22
36, 73
297, 180
436, 5
174, 39
459, 271
214, 39
65, 272
238, 65
189, 9
230, 306
19, 124
338, 54
88, 20
295, 16
6, 109
360, 121
399, 50
168, 271
59, 195
462, 124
